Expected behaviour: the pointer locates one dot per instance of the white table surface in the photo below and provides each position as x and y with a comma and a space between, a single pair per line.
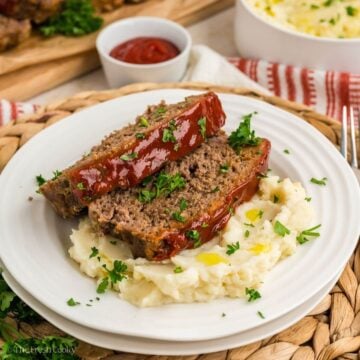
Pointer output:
216, 32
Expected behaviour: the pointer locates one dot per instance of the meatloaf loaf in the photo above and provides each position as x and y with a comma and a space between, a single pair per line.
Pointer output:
35, 10
187, 203
163, 133
13, 32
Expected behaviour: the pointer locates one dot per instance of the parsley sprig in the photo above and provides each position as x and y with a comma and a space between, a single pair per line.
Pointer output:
280, 229
202, 124
302, 238
232, 248
115, 275
77, 18
168, 133
177, 214
243, 135
252, 294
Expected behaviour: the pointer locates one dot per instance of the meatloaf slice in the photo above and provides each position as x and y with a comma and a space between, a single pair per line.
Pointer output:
163, 133
13, 32
107, 5
214, 180
35, 10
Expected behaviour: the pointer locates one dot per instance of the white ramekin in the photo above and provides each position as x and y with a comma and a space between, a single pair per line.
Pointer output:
120, 73
259, 39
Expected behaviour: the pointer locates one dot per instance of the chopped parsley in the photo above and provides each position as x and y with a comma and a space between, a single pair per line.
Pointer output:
215, 189
308, 199
202, 124
280, 229
224, 168
178, 270
286, 151
328, 3
140, 135
232, 248
194, 236
351, 11
115, 275
40, 180
177, 216
243, 135
143, 122
261, 314
94, 252
332, 21
163, 185
252, 294
72, 302
56, 174
183, 204
80, 186
302, 238
246, 233
113, 242
248, 224
168, 133
77, 18
276, 199
160, 110
129, 157
314, 7
223, 315
231, 211
321, 182
261, 176
204, 225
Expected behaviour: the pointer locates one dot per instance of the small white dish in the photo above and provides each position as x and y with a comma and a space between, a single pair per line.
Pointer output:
257, 38
120, 73
158, 347
35, 241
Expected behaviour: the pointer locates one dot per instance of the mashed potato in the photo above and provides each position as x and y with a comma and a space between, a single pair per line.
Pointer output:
239, 258
324, 18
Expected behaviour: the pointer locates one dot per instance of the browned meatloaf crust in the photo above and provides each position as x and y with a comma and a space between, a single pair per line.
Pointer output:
107, 5
35, 10
13, 32
163, 133
216, 180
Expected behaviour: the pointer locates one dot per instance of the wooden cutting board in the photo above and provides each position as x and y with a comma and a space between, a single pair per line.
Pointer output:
41, 64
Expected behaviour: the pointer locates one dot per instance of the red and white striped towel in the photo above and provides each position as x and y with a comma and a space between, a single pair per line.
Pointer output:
326, 91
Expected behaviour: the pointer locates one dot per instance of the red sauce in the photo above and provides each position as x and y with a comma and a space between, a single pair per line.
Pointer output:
145, 50
7, 6
178, 241
103, 174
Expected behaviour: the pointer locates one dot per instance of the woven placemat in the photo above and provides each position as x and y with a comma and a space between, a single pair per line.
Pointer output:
330, 331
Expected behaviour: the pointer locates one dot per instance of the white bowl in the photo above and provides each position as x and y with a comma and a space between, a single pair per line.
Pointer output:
259, 39
120, 73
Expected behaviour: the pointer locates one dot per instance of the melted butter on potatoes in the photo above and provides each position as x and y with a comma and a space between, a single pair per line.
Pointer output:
239, 258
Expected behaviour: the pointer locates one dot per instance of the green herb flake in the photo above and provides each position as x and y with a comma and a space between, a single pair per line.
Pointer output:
160, 110
202, 124
248, 224
94, 252
40, 180
56, 174
103, 285
328, 3
140, 136
280, 229
243, 135
143, 122
80, 186
246, 233
308, 199
168, 136
113, 242
232, 248
129, 157
321, 182
178, 270
286, 151
224, 168
276, 199
176, 147
177, 216
351, 11
204, 225
77, 18
72, 302
194, 235
223, 315
183, 204
261, 314
302, 238
252, 294
215, 189
314, 7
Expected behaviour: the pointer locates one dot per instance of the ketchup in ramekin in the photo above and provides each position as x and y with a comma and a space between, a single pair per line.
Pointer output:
145, 50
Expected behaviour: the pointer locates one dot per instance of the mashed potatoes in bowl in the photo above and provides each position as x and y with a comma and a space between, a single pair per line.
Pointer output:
321, 18
234, 264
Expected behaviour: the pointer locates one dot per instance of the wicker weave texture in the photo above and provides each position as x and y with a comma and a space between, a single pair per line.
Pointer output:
330, 331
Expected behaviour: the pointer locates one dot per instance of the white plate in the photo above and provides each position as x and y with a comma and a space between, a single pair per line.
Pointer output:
34, 241
158, 347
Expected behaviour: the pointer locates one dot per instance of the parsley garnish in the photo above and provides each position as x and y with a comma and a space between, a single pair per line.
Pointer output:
202, 124
143, 122
314, 7
224, 168
177, 216
276, 199
252, 294
204, 225
94, 252
232, 248
261, 314
160, 110
72, 302
247, 224
168, 133
351, 11
328, 2
215, 189
56, 174
246, 233
129, 157
76, 18
102, 287
223, 315
80, 186
321, 182
302, 237
116, 274
243, 135
163, 185
40, 180
286, 151
194, 236
231, 211
140, 135
308, 199
280, 229
178, 270
183, 204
